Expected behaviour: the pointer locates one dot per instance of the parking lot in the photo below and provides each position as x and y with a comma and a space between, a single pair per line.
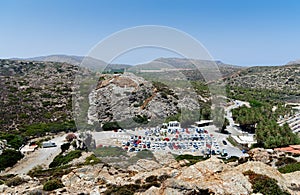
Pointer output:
196, 141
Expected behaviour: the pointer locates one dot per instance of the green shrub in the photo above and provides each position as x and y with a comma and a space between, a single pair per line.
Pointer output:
285, 161
290, 168
15, 141
1, 182
40, 129
52, 185
62, 160
15, 181
111, 126
91, 160
9, 158
129, 189
140, 119
264, 184
34, 170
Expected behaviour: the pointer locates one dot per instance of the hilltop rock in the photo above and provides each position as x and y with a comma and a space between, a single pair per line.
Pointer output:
123, 97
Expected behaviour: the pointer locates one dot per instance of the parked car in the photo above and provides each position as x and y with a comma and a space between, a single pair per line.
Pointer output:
49, 144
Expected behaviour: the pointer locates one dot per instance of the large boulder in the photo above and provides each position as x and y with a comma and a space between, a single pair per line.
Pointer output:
293, 179
259, 154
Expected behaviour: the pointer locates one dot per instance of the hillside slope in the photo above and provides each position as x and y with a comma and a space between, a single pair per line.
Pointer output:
283, 79
35, 92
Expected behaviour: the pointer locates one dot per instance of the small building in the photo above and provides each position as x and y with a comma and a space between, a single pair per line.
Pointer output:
174, 125
28, 149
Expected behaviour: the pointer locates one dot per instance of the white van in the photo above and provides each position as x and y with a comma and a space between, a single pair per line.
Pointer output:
49, 144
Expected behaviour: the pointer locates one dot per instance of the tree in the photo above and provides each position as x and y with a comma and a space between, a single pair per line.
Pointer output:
9, 158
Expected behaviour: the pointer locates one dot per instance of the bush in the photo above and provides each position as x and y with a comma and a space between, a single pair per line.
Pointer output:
34, 170
129, 189
140, 119
40, 129
62, 160
52, 185
15, 181
91, 160
290, 168
191, 158
64, 147
264, 184
111, 126
285, 161
15, 141
9, 158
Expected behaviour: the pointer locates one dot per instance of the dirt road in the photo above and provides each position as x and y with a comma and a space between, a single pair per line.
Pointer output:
42, 156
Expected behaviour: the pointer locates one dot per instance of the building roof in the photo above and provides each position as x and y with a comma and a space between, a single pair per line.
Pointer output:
292, 148
296, 147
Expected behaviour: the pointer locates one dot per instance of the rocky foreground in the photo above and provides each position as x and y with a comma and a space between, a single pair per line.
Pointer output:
164, 176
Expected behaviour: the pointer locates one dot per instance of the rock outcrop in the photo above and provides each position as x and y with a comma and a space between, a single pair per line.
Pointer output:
123, 97
146, 177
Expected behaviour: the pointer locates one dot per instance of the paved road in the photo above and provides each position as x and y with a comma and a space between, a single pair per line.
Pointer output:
232, 127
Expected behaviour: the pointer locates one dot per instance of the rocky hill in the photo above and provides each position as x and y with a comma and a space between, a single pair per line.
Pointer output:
131, 99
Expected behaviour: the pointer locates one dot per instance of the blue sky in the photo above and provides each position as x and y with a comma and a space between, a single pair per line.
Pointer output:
239, 32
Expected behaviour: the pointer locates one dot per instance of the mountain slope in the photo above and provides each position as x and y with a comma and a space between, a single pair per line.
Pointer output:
282, 79
35, 92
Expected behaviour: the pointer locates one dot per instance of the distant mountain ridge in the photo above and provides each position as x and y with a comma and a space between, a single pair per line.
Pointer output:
76, 60
89, 62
